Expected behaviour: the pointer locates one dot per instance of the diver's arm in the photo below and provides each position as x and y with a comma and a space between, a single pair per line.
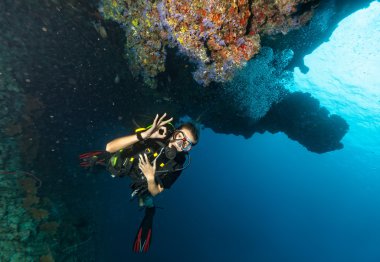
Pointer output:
154, 188
124, 142
152, 132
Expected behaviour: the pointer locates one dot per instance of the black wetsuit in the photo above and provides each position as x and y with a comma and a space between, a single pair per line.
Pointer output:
167, 171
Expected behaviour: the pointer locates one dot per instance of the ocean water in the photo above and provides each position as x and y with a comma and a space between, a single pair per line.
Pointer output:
269, 199
264, 199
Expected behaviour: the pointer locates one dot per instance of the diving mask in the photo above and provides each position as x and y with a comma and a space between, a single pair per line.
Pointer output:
183, 141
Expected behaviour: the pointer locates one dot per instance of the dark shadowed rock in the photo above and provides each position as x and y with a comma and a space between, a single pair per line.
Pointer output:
301, 117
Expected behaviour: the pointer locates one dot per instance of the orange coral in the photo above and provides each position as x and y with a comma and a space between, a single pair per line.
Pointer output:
39, 214
47, 258
49, 227
13, 129
29, 185
30, 200
220, 36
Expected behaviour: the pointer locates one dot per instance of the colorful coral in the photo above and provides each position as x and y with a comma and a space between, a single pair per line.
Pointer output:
219, 36
144, 36
31, 228
21, 212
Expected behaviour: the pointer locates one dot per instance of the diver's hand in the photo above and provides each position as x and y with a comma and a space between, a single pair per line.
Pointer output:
158, 129
146, 168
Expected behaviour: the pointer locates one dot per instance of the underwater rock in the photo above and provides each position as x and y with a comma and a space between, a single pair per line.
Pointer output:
247, 100
49, 227
321, 26
301, 118
256, 87
254, 102
17, 120
19, 230
47, 258
218, 36
27, 230
12, 99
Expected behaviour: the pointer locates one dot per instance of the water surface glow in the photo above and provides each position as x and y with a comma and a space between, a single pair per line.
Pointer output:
344, 76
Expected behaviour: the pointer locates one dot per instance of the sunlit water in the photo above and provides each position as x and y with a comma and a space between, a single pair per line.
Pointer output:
344, 76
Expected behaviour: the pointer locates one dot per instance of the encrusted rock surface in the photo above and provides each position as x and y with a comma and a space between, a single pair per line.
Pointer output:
219, 36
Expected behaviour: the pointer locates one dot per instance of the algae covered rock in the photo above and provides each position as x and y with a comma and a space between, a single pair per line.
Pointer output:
218, 36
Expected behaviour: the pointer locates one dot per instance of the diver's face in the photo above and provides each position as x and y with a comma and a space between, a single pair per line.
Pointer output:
182, 140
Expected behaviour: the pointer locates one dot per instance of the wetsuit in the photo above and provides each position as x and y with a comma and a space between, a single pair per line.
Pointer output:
125, 163
167, 171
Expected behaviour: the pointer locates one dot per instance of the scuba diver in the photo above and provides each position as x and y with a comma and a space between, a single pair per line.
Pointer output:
153, 158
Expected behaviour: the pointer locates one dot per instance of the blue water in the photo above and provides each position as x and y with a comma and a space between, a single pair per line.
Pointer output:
262, 199
268, 198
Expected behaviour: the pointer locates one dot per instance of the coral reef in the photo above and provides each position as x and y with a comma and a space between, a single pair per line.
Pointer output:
19, 113
29, 228
21, 213
144, 36
12, 100
218, 36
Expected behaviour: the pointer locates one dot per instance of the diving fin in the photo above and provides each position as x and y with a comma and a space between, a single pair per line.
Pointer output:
144, 234
89, 160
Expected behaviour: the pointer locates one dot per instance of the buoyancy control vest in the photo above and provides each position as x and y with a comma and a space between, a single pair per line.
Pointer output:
125, 162
122, 162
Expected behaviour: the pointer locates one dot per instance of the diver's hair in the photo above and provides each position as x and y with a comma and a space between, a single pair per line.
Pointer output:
193, 129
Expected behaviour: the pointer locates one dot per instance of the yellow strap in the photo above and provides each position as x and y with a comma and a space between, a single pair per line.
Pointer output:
113, 160
140, 129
